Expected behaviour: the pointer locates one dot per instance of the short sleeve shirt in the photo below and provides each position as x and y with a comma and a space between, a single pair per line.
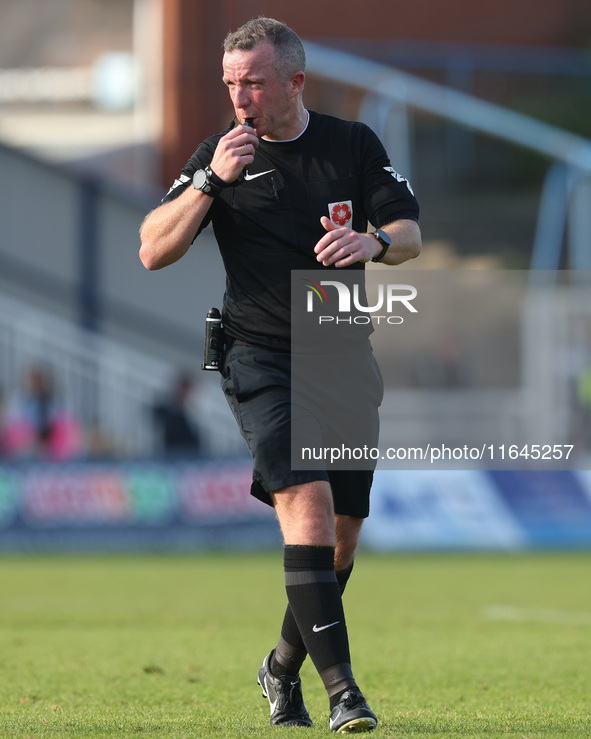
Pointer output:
268, 223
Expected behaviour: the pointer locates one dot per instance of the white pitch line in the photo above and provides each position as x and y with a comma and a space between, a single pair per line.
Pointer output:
541, 615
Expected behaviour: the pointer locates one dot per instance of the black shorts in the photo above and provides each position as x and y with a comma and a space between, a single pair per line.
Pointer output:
257, 386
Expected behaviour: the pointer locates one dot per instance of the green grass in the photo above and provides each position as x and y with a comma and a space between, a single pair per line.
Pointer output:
169, 646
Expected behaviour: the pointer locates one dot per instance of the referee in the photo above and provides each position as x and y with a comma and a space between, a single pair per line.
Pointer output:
288, 189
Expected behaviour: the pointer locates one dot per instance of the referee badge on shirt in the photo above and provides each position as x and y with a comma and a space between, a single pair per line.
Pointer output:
341, 213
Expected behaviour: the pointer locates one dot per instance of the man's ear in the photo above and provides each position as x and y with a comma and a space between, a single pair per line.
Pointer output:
297, 82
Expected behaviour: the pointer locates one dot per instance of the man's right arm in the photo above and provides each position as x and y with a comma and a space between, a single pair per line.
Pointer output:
169, 230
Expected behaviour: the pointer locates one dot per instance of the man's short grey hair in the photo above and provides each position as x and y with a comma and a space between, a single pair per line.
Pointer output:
289, 50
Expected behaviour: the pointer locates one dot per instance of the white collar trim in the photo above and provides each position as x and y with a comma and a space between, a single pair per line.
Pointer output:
286, 141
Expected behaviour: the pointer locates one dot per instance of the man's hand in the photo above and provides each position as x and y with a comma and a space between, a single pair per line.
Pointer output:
234, 151
343, 246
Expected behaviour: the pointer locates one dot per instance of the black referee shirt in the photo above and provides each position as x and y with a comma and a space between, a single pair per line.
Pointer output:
269, 223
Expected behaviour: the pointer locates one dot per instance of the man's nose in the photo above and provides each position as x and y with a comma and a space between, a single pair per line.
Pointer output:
241, 98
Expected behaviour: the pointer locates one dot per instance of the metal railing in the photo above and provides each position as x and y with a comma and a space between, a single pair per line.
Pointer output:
389, 95
107, 385
110, 387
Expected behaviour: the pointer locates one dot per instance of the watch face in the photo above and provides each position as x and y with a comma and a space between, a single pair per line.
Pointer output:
383, 237
199, 179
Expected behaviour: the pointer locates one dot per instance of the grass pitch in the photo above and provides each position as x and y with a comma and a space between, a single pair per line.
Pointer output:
169, 646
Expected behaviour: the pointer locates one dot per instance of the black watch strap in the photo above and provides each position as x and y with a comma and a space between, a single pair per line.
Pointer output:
385, 241
215, 180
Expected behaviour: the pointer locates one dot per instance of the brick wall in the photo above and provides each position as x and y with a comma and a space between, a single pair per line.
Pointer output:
546, 22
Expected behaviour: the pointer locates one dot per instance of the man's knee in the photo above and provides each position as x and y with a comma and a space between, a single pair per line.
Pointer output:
306, 514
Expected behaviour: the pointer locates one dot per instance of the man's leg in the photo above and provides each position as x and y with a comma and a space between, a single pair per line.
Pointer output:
306, 517
307, 521
290, 652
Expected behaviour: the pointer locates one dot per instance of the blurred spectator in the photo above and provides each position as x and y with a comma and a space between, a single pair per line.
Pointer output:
36, 424
179, 434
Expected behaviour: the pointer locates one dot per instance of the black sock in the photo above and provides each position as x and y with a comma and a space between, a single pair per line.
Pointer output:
290, 653
314, 597
287, 659
343, 577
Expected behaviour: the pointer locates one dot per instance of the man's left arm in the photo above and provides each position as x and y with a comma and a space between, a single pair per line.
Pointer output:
343, 246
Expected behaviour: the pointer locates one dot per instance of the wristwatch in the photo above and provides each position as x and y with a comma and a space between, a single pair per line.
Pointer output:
385, 241
204, 180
